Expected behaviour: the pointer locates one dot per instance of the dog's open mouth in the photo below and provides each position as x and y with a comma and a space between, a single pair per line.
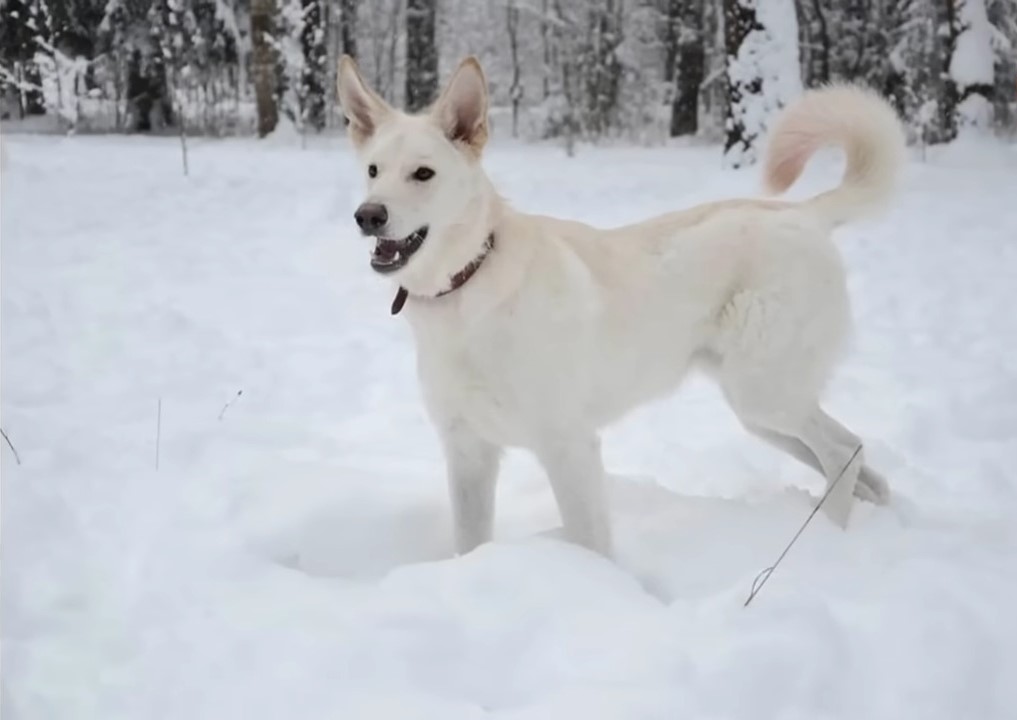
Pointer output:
390, 254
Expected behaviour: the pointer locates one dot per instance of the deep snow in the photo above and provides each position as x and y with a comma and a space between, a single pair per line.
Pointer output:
292, 559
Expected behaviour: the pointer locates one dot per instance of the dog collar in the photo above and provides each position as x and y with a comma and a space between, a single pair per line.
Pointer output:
457, 280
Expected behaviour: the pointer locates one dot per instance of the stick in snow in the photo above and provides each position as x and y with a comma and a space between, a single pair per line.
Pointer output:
17, 458
230, 402
158, 430
183, 133
765, 574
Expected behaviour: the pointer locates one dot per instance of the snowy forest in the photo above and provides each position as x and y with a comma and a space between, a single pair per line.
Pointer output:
576, 70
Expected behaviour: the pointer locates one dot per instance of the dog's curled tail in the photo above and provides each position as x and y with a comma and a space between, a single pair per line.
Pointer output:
860, 122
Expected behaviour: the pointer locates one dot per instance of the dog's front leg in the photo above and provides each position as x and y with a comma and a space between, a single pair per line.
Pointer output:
576, 472
472, 465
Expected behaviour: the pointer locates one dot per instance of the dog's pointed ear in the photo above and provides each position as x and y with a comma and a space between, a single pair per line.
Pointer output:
461, 111
363, 108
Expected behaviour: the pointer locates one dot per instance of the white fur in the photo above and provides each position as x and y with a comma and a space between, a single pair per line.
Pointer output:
565, 328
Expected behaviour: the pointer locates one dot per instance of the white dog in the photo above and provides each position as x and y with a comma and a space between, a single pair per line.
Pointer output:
536, 332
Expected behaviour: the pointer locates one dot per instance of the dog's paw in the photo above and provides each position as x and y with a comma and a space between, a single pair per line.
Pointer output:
872, 487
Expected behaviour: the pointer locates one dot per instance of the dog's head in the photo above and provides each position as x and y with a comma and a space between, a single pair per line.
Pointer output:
426, 199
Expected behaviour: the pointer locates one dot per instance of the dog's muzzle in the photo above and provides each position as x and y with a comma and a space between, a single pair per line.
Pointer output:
390, 254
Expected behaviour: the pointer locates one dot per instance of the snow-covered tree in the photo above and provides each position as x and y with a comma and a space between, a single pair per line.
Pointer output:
576, 69
1003, 19
763, 73
24, 25
600, 65
971, 65
312, 40
917, 79
299, 42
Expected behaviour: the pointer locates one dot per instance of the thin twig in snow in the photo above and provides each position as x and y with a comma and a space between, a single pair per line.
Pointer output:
158, 430
765, 574
17, 458
230, 402
183, 130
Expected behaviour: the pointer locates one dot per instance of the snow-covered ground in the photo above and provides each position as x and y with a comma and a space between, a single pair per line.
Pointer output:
290, 557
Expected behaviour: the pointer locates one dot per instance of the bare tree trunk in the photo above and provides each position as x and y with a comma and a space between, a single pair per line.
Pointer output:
312, 41
545, 41
378, 51
421, 54
393, 50
946, 16
601, 67
821, 69
264, 65
672, 26
685, 63
118, 90
565, 31
348, 26
570, 112
515, 90
182, 123
901, 86
1004, 93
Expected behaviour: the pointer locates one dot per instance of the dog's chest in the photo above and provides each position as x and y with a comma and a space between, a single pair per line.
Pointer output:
482, 379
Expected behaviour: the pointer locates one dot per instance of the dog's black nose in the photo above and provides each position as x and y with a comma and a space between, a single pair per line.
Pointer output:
371, 216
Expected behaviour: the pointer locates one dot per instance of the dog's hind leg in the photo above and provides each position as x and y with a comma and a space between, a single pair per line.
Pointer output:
576, 472
775, 350
870, 483
472, 465
837, 451
773, 390
871, 486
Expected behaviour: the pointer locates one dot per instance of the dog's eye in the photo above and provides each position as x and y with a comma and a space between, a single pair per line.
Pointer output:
423, 174
372, 170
